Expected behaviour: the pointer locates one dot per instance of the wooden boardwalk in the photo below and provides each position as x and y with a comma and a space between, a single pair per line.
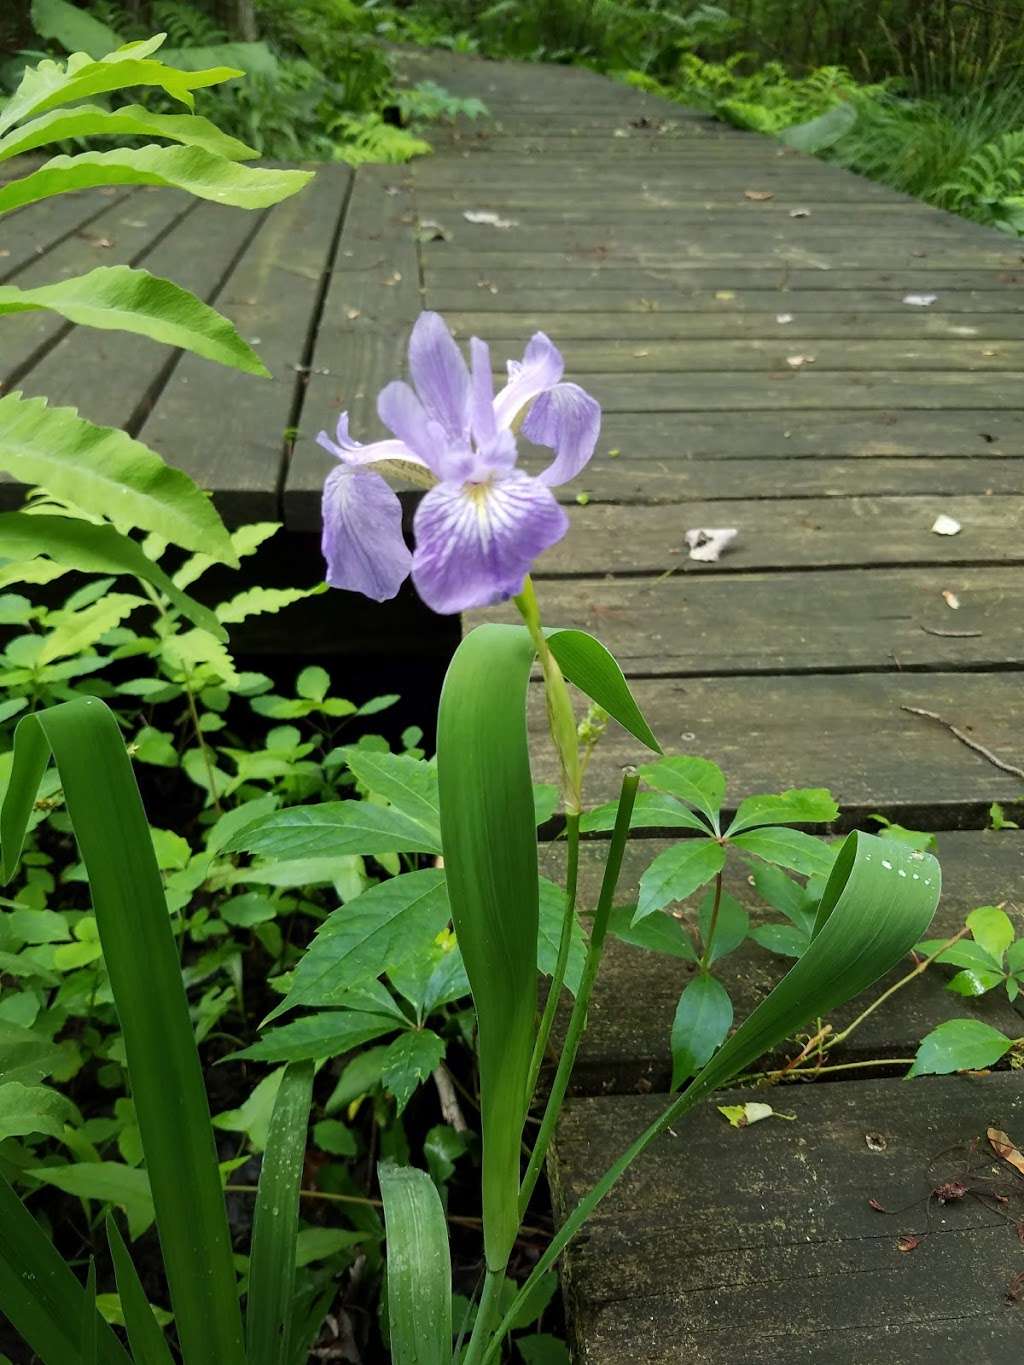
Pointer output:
663, 253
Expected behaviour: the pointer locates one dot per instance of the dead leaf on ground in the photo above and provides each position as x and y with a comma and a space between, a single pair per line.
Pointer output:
878, 1208
783, 318
875, 1142
724, 295
797, 362
1005, 1147
799, 213
920, 300
950, 1192
908, 1243
743, 1115
945, 526
951, 600
708, 542
486, 218
758, 196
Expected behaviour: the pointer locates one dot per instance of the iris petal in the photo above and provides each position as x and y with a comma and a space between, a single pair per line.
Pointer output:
440, 375
541, 368
476, 542
362, 534
568, 420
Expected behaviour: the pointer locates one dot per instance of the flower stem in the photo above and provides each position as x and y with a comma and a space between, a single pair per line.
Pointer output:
716, 905
484, 1316
561, 720
572, 863
915, 972
578, 1019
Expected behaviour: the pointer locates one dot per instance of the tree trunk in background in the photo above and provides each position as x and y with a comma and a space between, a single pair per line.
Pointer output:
245, 21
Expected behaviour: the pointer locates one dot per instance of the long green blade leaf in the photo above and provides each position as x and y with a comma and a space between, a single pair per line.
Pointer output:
145, 976
97, 549
89, 120
276, 1222
39, 1295
106, 473
877, 903
183, 168
148, 1343
490, 852
419, 1268
119, 298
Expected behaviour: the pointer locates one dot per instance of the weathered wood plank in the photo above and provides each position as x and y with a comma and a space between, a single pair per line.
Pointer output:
228, 430
726, 624
808, 387
782, 534
709, 291
684, 357
676, 480
372, 301
626, 1046
837, 431
843, 731
33, 231
122, 234
79, 368
759, 1244
631, 331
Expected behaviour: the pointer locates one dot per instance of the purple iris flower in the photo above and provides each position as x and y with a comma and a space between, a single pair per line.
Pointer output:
484, 521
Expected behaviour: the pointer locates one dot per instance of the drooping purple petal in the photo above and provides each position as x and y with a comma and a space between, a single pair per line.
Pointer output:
353, 453
362, 534
440, 375
568, 420
475, 543
541, 368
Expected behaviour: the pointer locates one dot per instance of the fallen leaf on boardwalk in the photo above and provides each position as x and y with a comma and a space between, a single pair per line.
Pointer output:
878, 1208
950, 1192
743, 1115
393, 279
920, 300
429, 231
875, 1142
908, 1243
488, 219
724, 294
783, 318
758, 196
707, 543
353, 313
799, 213
951, 600
964, 331
796, 362
945, 526
1006, 1148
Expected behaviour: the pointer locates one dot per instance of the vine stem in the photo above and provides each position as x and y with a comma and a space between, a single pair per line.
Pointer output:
572, 863
713, 925
912, 975
578, 1018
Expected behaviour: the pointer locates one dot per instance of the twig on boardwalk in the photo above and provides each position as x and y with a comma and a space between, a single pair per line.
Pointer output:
966, 739
953, 634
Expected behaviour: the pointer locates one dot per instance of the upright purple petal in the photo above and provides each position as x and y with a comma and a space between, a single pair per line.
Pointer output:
362, 536
482, 419
541, 368
440, 375
475, 543
401, 411
568, 420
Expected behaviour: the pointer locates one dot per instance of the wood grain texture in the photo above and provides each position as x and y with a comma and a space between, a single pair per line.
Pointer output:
626, 1045
843, 731
230, 430
759, 1244
372, 300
